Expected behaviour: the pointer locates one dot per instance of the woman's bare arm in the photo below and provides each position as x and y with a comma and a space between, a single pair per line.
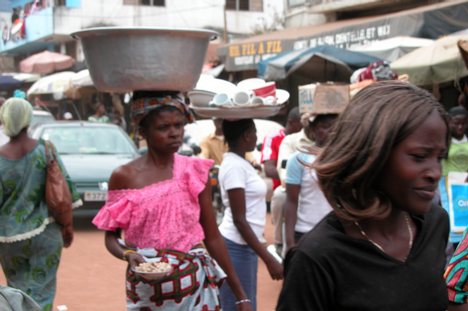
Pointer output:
215, 245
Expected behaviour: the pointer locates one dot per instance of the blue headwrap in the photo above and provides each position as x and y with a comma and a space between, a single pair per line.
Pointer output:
19, 94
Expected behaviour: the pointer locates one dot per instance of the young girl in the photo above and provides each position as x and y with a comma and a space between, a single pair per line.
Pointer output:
162, 202
383, 246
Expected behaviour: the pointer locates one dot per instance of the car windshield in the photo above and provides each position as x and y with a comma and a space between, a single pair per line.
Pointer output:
41, 118
91, 140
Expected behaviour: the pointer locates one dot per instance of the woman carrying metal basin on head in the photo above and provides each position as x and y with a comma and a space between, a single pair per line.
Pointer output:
159, 205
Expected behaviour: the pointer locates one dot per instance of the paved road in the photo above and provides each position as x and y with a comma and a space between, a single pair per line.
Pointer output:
90, 279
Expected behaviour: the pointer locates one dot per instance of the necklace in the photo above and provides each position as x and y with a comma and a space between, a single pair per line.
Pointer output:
410, 232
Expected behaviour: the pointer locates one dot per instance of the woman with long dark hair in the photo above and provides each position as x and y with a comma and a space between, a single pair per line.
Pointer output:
383, 246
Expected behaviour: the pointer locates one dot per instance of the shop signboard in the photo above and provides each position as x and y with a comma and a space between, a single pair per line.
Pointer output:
429, 22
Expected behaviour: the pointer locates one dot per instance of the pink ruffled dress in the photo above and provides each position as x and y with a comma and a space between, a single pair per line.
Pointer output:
164, 215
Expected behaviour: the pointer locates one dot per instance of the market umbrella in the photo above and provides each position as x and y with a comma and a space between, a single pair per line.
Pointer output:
392, 48
82, 79
46, 62
11, 80
437, 63
23, 77
58, 84
8, 82
82, 84
26, 77
322, 63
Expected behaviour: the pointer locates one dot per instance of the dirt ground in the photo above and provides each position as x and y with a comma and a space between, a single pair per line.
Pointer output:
90, 279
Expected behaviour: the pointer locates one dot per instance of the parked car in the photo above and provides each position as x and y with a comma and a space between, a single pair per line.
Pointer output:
39, 117
90, 152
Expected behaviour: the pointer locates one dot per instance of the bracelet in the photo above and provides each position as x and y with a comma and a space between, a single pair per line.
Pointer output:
128, 251
238, 302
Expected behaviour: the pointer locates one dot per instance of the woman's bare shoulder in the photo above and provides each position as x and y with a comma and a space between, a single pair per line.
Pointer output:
123, 176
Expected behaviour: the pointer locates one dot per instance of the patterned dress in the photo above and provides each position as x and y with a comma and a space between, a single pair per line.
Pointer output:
30, 241
163, 221
456, 273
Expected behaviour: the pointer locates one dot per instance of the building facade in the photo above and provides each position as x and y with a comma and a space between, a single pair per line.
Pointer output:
32, 26
345, 24
253, 29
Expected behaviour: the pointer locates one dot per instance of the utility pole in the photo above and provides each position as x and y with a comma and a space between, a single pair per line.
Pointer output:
225, 34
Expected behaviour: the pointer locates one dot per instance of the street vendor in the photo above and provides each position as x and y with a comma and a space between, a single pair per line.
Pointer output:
160, 206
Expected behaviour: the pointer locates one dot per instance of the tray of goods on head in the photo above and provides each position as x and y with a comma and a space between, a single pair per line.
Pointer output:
125, 59
250, 98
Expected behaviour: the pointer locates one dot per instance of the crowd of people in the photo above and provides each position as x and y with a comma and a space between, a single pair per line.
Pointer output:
358, 215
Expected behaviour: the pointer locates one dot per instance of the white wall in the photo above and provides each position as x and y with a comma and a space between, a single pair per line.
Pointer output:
177, 13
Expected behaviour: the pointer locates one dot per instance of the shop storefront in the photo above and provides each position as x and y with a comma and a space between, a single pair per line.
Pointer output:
430, 21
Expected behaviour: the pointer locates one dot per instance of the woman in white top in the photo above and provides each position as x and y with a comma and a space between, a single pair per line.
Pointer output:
243, 192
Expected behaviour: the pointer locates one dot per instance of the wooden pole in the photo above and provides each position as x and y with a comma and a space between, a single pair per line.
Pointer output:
225, 35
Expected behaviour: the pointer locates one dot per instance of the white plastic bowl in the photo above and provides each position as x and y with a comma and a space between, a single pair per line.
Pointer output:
154, 276
200, 98
237, 112
128, 59
216, 85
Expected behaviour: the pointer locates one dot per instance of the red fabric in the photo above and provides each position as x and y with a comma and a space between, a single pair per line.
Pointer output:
378, 71
270, 150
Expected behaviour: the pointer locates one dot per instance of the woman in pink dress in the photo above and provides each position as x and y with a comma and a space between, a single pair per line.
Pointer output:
159, 209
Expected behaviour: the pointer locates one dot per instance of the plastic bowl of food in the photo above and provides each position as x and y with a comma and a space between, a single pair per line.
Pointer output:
123, 59
153, 271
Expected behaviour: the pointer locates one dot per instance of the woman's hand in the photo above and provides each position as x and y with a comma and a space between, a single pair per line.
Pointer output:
134, 259
275, 269
67, 235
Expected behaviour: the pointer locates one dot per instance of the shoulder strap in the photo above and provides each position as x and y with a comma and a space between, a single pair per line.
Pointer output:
49, 150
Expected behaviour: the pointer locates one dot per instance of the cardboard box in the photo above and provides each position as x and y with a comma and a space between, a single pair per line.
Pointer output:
326, 98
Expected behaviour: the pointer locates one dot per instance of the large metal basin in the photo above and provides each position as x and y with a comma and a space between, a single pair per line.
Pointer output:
128, 59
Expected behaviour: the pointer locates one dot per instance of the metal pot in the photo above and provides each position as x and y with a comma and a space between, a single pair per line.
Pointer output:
129, 59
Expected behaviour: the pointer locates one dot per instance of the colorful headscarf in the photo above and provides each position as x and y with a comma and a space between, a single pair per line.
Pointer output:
141, 106
15, 115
